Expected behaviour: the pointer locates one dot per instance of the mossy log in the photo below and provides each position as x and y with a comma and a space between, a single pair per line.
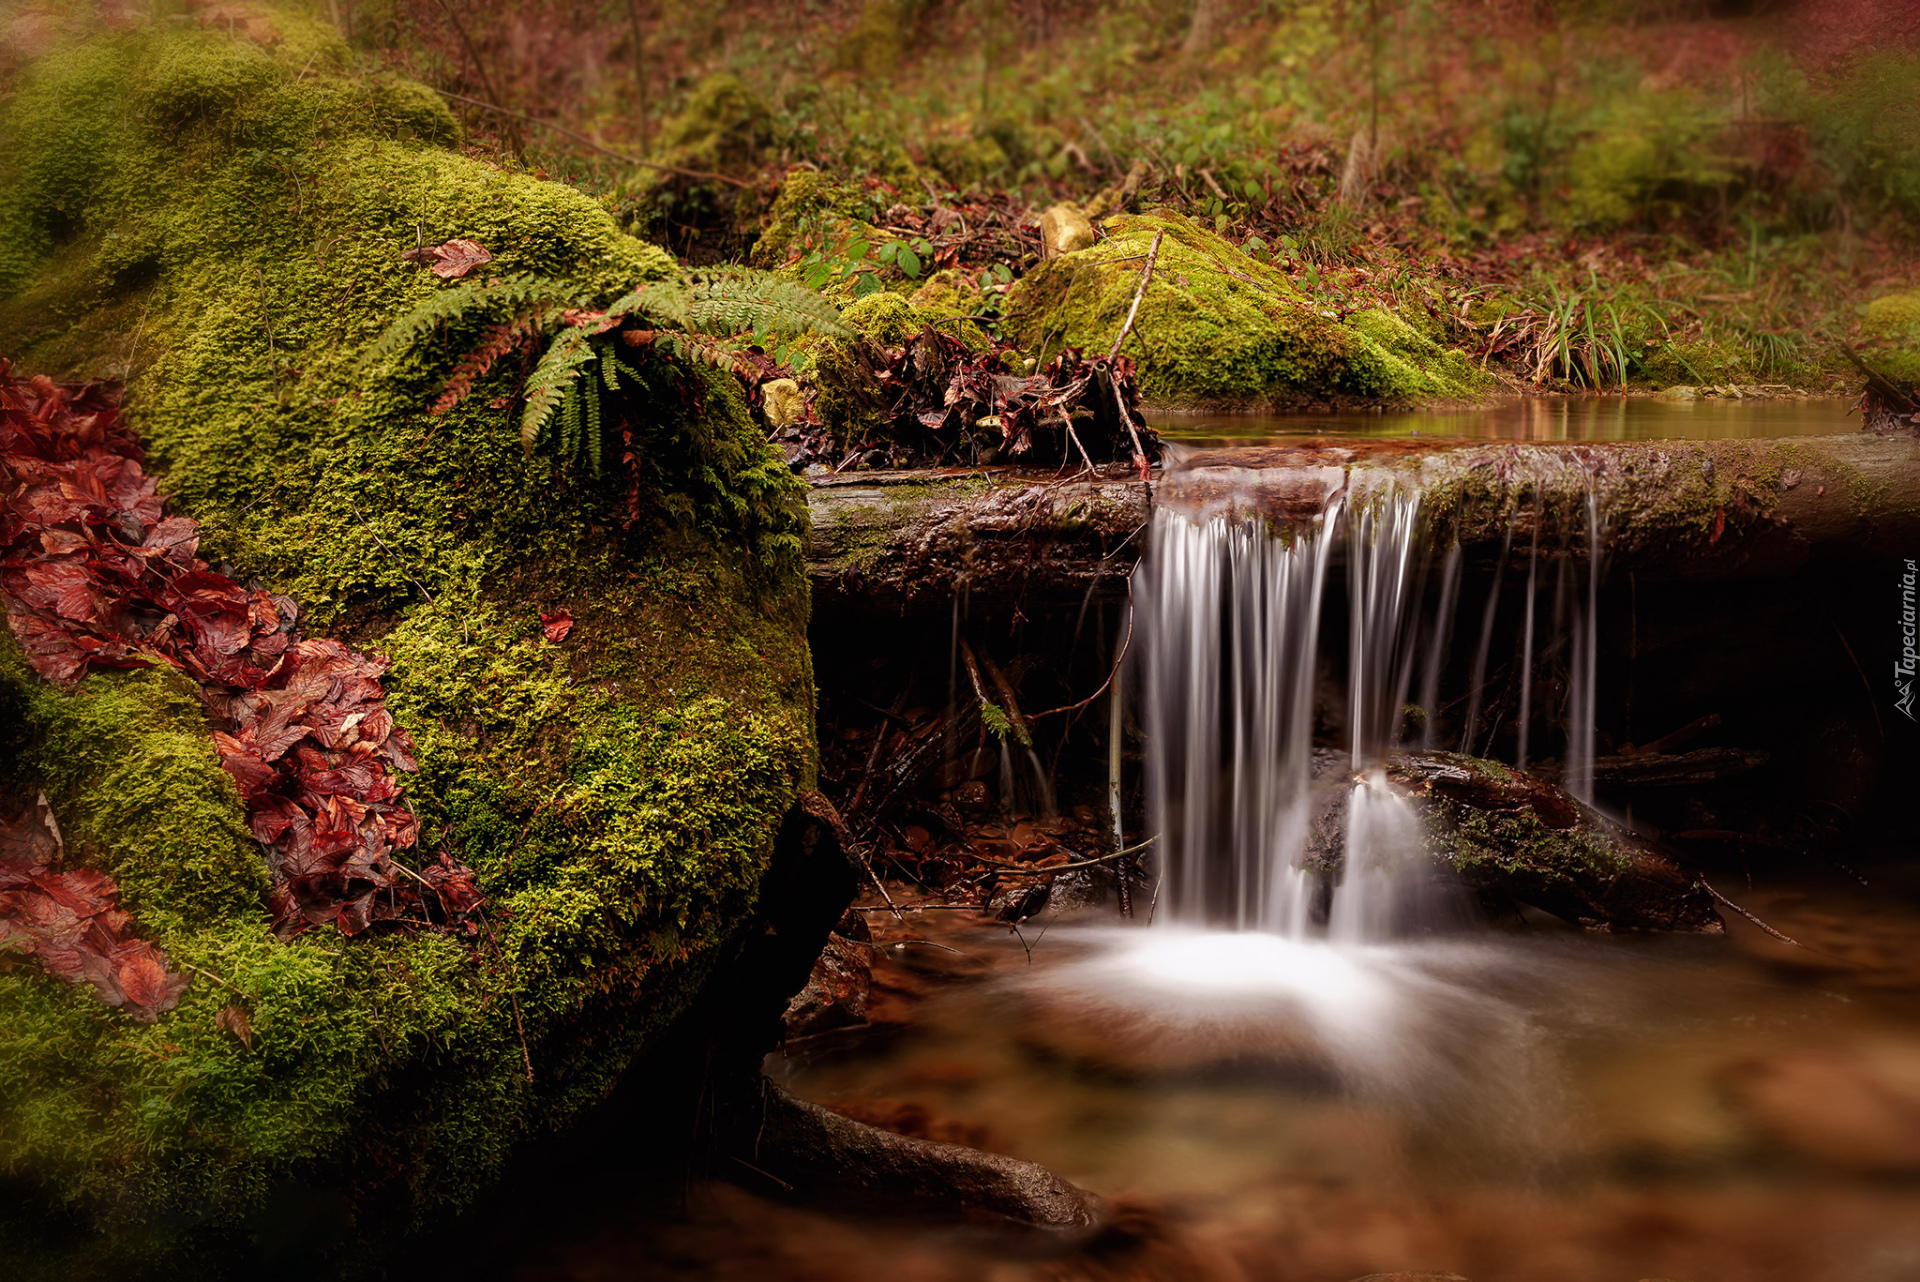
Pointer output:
911, 538
1729, 509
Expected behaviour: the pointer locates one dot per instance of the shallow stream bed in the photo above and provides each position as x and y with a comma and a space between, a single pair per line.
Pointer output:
1518, 1102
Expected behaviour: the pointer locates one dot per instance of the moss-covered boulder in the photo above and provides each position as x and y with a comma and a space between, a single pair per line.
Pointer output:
1891, 326
724, 128
225, 219
1219, 329
1520, 838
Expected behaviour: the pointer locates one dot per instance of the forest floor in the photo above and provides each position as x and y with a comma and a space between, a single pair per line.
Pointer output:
1606, 197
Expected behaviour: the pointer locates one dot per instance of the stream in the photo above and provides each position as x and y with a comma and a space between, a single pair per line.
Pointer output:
1512, 1104
1537, 418
1269, 1077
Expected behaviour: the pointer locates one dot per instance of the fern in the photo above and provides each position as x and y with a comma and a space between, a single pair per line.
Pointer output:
704, 317
500, 340
665, 301
705, 349
551, 379
516, 294
742, 301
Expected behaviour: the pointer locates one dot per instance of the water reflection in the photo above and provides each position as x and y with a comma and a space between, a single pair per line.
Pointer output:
1538, 418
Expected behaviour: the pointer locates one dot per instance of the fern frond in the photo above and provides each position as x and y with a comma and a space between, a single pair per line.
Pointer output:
515, 294
740, 300
590, 393
500, 340
570, 419
707, 349
556, 373
665, 301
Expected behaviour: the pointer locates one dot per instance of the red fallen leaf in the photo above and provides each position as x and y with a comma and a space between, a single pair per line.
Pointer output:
556, 625
93, 574
70, 921
1719, 525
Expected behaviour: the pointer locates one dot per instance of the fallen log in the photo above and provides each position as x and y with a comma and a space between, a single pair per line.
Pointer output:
1676, 510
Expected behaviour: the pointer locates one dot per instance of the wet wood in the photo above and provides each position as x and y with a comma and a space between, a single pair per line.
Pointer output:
1679, 510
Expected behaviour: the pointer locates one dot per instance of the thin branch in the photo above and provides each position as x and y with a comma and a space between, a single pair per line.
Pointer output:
1034, 870
1119, 402
1113, 672
1785, 939
591, 145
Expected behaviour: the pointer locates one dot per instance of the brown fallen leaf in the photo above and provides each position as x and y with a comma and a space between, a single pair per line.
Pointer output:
458, 257
233, 1020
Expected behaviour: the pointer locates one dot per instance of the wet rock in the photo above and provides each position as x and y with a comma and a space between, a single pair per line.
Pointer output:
1063, 229
1511, 833
1855, 1109
817, 1153
836, 991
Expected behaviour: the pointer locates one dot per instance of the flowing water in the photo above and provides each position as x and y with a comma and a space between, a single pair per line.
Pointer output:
1514, 1106
1306, 1073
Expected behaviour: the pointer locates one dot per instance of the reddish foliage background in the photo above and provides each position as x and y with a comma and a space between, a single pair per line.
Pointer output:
95, 575
70, 920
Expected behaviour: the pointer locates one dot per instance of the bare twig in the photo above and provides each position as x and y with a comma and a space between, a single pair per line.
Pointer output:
1785, 939
873, 757
1035, 870
1111, 674
1119, 401
390, 552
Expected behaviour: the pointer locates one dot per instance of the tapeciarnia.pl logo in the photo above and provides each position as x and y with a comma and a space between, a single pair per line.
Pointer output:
1903, 667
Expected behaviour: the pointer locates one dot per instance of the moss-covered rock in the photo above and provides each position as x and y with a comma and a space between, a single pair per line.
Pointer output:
226, 220
1891, 323
809, 198
1217, 328
1514, 835
724, 128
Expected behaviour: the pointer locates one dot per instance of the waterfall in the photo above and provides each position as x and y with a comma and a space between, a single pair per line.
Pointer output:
1229, 605
1230, 615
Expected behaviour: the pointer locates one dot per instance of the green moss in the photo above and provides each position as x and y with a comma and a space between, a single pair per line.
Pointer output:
1216, 327
883, 318
245, 210
1893, 321
808, 198
724, 128
1495, 846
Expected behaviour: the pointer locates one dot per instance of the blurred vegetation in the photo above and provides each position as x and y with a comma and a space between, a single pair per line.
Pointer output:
1647, 191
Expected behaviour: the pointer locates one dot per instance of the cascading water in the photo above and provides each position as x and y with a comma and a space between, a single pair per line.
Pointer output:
1230, 613
1249, 954
1229, 616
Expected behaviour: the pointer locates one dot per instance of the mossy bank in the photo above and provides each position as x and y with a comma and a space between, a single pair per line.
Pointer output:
1218, 329
222, 216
